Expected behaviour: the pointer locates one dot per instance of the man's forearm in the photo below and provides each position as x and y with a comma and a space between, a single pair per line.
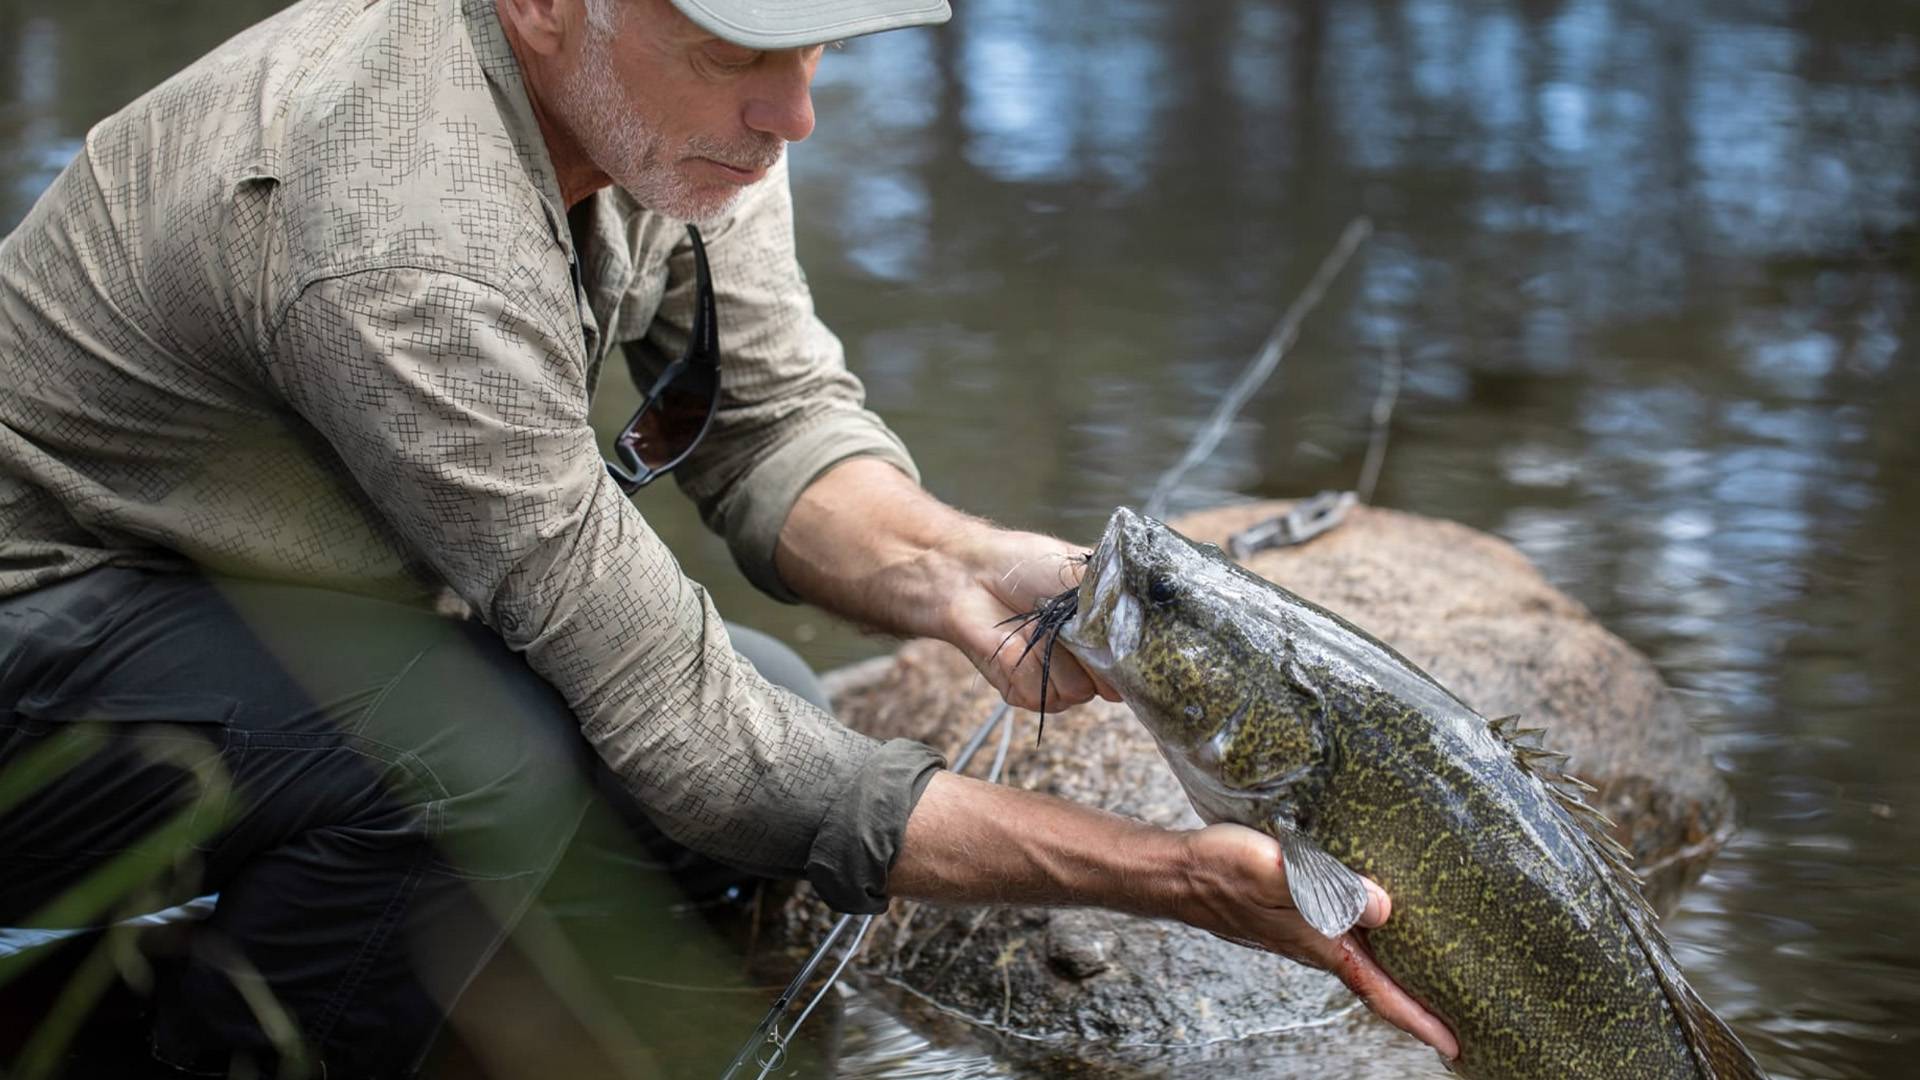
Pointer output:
867, 543
971, 842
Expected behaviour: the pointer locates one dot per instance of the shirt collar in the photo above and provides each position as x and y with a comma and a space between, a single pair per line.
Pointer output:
516, 111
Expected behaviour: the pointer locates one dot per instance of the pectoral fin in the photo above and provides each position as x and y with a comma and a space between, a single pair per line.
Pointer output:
1330, 896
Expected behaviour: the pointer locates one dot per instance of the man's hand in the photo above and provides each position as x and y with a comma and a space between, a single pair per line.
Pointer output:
1008, 574
970, 842
1239, 892
866, 542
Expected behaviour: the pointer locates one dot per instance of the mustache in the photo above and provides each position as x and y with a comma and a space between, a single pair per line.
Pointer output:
753, 152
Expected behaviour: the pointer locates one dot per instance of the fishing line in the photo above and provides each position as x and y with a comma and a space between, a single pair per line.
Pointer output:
1382, 420
767, 1045
1262, 367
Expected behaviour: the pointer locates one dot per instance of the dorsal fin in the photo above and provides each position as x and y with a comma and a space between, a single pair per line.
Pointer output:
1570, 792
1715, 1048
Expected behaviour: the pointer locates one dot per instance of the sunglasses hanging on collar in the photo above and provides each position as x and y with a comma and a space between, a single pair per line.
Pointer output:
678, 408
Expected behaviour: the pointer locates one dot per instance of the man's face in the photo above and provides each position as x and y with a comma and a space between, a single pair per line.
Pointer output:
681, 119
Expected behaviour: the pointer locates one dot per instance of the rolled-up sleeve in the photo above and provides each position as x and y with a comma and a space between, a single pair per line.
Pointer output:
463, 418
789, 408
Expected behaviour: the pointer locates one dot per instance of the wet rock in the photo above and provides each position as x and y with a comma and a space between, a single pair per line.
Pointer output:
1080, 943
1466, 606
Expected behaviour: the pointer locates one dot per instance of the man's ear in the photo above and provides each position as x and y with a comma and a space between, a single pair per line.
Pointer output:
543, 25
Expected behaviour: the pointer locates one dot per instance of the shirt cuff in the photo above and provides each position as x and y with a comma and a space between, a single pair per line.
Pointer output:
770, 491
860, 838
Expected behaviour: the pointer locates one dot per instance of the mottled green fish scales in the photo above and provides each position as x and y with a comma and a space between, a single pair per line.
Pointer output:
1499, 922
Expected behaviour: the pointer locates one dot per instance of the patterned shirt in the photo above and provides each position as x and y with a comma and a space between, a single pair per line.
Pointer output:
312, 310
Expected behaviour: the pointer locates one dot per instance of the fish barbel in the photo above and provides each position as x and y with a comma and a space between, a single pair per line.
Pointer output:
1515, 918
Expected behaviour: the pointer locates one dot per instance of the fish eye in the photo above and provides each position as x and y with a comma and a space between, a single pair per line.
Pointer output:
1162, 590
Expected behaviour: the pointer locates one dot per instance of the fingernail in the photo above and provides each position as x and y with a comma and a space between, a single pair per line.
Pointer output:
1378, 906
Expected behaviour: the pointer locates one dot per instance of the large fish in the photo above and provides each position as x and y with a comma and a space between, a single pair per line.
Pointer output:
1515, 918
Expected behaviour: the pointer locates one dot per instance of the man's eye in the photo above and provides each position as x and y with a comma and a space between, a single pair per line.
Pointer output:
732, 57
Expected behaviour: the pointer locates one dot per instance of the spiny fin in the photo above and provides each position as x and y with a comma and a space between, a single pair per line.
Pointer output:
1329, 896
1715, 1047
1569, 792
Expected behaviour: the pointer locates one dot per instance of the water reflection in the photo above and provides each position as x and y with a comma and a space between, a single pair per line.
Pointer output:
1652, 271
43, 148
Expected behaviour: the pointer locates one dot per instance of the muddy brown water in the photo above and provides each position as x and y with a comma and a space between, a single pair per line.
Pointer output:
1651, 269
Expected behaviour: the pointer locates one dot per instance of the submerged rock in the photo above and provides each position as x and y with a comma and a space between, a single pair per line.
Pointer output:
1075, 985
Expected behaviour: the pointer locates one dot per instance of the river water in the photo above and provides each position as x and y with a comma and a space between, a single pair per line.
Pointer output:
1651, 270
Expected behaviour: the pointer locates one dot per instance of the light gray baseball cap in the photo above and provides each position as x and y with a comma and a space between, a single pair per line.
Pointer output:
789, 24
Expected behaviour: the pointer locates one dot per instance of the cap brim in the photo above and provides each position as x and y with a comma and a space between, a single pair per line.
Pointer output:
790, 24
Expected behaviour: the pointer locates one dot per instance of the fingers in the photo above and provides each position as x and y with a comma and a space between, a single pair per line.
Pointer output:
1016, 571
1349, 959
1017, 677
1379, 905
1021, 686
1252, 879
1104, 688
1067, 683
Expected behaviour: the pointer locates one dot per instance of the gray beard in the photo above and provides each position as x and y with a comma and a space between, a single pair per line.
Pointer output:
631, 150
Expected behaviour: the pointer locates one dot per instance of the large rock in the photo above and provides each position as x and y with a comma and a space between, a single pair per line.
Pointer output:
1079, 985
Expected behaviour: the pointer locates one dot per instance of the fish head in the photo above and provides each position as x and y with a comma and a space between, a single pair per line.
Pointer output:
1127, 594
1181, 632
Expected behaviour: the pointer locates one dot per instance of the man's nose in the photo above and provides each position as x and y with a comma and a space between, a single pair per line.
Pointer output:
783, 101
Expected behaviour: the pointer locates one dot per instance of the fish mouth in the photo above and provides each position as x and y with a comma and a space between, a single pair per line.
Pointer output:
1090, 633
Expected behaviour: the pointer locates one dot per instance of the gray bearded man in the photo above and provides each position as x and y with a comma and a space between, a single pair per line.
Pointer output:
297, 357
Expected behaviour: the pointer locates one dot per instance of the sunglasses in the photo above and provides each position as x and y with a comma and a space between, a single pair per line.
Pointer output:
679, 407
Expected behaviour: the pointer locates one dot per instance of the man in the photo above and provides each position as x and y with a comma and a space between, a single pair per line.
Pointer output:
302, 341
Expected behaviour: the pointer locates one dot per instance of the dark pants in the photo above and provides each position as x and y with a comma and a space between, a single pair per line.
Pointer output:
375, 792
